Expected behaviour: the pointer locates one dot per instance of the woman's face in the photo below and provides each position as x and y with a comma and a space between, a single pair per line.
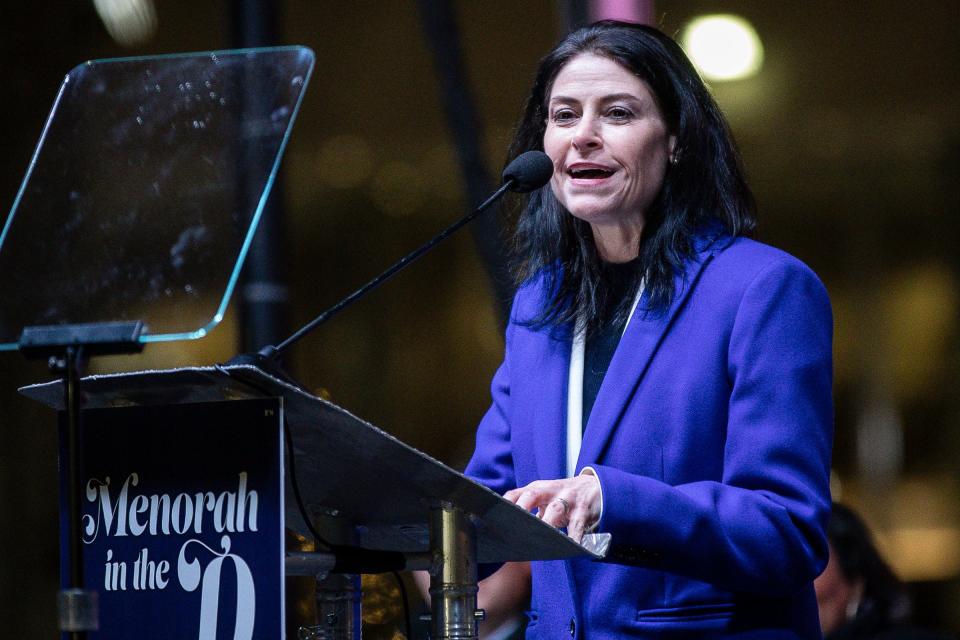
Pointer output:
608, 141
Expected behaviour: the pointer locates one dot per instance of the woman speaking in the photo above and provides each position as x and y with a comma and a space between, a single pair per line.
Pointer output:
666, 379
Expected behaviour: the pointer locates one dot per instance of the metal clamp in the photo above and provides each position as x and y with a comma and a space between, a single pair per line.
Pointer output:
78, 610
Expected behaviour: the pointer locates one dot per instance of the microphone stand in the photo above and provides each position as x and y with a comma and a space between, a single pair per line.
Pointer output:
268, 357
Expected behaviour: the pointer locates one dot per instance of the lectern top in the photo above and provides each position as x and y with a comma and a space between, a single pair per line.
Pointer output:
145, 188
354, 478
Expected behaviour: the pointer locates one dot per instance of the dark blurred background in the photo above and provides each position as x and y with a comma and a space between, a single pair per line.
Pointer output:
850, 133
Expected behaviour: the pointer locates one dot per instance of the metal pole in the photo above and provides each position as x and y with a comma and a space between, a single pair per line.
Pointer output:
453, 579
463, 119
338, 608
77, 606
264, 295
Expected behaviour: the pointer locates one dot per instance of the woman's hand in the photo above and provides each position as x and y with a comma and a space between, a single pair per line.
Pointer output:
573, 503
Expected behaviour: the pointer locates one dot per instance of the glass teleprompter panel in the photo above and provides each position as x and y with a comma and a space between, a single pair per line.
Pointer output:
145, 189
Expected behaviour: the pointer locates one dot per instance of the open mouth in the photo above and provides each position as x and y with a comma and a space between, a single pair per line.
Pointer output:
589, 173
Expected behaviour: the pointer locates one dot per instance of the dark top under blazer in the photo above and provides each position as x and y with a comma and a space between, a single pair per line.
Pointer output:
711, 437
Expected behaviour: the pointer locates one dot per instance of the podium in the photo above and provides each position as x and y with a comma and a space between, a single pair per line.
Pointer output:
418, 514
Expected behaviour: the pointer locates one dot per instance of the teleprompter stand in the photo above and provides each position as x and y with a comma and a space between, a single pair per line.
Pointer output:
417, 514
84, 256
67, 349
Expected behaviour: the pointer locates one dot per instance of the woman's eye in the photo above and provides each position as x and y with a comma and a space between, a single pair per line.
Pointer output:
561, 116
619, 113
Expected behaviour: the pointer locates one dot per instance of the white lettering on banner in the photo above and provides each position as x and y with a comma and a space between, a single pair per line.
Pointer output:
149, 575
95, 487
156, 504
114, 574
189, 573
137, 506
182, 501
123, 514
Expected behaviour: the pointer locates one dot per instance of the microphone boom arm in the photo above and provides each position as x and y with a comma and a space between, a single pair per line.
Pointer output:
272, 352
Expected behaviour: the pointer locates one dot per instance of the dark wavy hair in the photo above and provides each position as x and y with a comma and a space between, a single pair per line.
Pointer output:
884, 600
704, 182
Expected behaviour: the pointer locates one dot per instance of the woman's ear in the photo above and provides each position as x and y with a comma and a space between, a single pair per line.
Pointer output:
672, 145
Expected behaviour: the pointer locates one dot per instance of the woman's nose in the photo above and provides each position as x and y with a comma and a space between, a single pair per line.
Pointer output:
586, 136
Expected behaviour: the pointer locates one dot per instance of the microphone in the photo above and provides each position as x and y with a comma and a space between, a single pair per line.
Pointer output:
527, 172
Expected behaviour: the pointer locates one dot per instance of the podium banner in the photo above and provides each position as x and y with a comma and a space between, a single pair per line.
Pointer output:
182, 519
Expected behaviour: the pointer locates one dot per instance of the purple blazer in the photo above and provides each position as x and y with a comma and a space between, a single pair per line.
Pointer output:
711, 437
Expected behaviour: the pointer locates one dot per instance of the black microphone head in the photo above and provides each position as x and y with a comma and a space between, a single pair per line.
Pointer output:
529, 171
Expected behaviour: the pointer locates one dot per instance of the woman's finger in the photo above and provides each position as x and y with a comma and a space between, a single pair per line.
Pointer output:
575, 529
557, 512
581, 520
529, 497
570, 503
536, 494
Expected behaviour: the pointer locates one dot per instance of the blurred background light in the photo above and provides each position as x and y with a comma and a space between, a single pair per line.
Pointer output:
129, 22
923, 553
344, 161
723, 47
398, 189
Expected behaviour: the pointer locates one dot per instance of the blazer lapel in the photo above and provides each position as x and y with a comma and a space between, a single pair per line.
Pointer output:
549, 408
637, 347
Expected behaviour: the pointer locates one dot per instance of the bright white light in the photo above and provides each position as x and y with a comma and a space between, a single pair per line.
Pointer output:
723, 47
129, 22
